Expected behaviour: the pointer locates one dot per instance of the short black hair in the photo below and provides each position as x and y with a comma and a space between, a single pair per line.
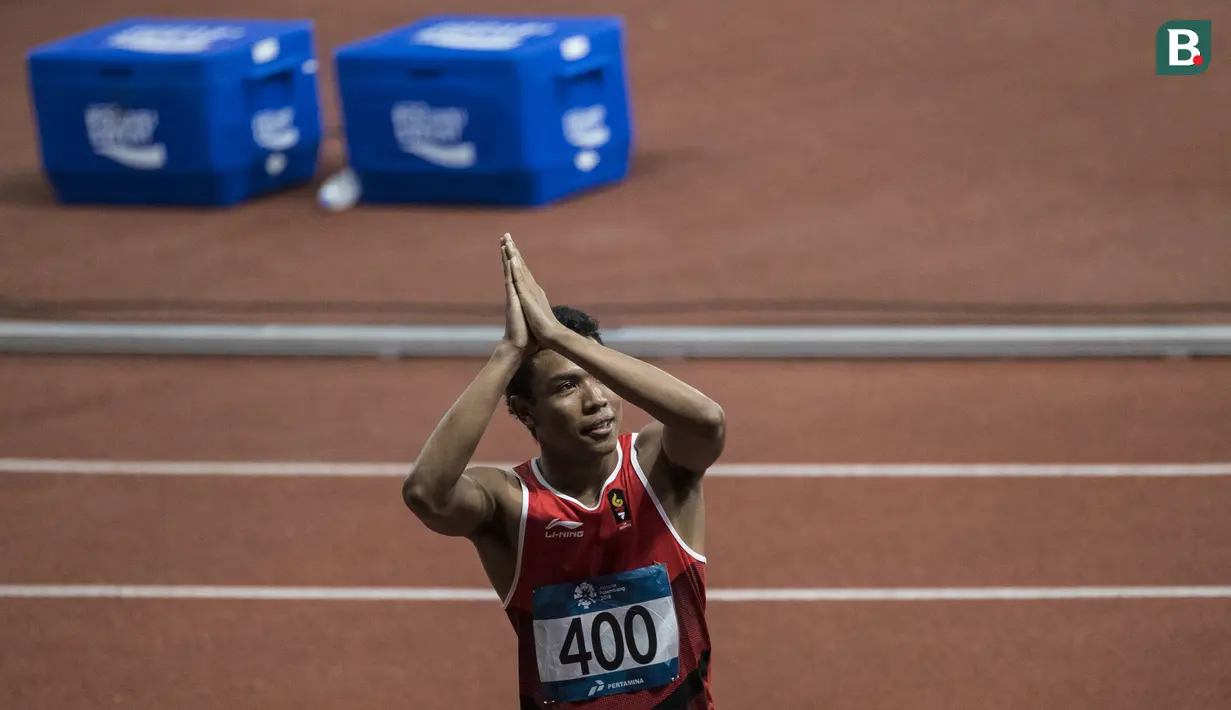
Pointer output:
575, 320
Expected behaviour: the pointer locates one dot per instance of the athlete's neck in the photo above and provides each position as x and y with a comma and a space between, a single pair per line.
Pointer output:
580, 478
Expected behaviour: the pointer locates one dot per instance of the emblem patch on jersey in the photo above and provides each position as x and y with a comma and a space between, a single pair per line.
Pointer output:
612, 634
619, 507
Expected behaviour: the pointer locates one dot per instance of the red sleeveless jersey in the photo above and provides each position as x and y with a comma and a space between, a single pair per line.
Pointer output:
565, 546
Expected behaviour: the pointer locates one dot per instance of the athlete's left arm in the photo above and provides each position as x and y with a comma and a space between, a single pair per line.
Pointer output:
693, 426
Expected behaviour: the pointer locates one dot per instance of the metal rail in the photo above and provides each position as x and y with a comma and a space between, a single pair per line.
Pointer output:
643, 341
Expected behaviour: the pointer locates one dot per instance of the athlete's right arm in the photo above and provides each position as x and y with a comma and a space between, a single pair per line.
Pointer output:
449, 498
439, 489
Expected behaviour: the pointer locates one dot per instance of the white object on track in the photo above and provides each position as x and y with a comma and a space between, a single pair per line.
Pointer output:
340, 192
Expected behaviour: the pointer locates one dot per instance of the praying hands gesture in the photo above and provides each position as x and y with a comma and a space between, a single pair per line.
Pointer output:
531, 300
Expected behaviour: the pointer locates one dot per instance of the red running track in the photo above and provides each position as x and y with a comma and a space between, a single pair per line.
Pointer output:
813, 533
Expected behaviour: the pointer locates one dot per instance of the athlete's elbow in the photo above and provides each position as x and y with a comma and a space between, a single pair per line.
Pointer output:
419, 495
413, 494
713, 421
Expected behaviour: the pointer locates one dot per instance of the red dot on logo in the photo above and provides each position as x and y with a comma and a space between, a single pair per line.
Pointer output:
1198, 60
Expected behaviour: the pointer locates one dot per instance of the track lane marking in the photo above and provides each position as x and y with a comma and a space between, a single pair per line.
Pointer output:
451, 594
738, 470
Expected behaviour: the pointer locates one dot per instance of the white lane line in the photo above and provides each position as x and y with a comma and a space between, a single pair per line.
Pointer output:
435, 594
201, 468
744, 470
968, 594
108, 591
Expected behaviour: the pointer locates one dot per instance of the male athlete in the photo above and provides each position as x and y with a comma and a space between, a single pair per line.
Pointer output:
596, 545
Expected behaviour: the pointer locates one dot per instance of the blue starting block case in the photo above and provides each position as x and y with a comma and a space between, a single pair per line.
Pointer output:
486, 110
150, 111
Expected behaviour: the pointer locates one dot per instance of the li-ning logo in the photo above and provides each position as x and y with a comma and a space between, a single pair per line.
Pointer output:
274, 129
480, 35
433, 134
172, 39
569, 528
1183, 47
127, 137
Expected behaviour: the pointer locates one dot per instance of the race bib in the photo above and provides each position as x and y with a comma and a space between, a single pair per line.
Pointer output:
606, 635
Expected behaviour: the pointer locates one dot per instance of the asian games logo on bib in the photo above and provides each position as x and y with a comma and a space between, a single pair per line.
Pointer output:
585, 595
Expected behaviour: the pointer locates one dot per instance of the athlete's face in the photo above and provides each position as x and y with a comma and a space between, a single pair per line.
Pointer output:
572, 412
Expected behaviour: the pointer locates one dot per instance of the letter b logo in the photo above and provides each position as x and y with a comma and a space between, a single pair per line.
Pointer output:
1182, 47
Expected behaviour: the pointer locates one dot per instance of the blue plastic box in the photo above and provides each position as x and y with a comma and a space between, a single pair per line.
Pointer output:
487, 110
152, 111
